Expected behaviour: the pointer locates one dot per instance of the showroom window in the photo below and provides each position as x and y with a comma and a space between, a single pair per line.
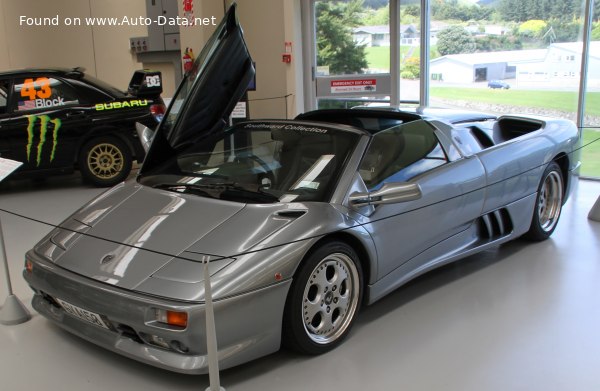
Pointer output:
354, 49
534, 52
352, 52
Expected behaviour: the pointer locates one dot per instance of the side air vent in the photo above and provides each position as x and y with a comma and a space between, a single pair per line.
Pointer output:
495, 224
291, 214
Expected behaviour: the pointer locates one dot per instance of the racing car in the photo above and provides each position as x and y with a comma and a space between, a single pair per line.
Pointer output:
59, 120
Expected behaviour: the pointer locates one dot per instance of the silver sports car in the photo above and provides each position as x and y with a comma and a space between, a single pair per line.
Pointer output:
301, 221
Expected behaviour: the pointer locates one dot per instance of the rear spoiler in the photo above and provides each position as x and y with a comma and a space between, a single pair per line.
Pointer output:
145, 84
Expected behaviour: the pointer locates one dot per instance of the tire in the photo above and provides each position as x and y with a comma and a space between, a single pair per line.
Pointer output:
105, 161
324, 299
548, 204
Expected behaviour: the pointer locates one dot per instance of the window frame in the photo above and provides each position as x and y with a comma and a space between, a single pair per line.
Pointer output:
441, 145
13, 102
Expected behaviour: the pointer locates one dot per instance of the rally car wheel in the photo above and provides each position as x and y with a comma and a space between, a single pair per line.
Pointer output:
548, 204
105, 161
324, 299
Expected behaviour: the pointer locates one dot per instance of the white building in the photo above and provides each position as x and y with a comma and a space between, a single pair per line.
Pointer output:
380, 35
474, 67
489, 29
561, 66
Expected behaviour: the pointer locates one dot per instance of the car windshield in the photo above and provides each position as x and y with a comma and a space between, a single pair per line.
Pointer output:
259, 163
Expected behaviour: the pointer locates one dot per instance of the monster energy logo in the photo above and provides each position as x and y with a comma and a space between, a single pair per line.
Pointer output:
44, 121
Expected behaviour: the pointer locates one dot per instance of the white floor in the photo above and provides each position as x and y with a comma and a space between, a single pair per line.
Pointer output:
522, 317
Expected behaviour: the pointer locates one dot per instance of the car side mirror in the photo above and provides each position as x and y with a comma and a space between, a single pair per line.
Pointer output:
390, 193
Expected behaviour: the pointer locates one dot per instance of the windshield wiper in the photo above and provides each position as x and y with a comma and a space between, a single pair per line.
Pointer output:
227, 189
255, 194
175, 185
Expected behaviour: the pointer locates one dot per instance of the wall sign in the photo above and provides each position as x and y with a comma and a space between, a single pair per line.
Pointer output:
353, 85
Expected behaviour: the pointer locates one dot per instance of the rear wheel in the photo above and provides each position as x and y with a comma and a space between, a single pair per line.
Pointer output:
323, 300
548, 204
105, 161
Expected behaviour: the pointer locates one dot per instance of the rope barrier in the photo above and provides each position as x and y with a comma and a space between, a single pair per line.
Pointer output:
308, 238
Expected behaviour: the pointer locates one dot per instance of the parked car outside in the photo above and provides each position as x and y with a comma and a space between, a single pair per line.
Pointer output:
498, 84
59, 120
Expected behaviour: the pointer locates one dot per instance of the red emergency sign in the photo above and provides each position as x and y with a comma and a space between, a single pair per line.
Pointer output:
353, 85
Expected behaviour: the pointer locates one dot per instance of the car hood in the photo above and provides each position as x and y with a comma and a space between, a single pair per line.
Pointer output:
132, 232
154, 241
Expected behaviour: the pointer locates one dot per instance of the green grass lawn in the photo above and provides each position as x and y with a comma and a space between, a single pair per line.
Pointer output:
378, 57
565, 101
590, 154
555, 100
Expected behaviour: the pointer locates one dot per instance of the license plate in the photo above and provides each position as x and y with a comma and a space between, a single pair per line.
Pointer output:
83, 314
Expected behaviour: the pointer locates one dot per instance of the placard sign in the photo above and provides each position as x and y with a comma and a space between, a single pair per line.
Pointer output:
7, 167
239, 111
353, 85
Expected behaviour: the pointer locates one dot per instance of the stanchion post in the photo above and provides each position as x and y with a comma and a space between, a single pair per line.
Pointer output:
594, 214
211, 334
13, 312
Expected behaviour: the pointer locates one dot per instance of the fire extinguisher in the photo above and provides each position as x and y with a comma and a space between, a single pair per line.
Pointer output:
188, 60
188, 5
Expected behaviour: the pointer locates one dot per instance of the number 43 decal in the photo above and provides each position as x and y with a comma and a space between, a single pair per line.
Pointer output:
30, 88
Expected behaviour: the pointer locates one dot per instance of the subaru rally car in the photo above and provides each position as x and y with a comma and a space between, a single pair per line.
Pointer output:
59, 120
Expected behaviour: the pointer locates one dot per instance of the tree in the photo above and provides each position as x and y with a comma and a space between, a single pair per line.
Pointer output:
411, 69
522, 10
455, 40
596, 32
413, 10
566, 31
453, 9
533, 28
335, 46
495, 43
378, 17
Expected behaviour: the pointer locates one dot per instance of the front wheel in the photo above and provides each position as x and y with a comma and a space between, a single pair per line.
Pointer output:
323, 300
548, 204
105, 161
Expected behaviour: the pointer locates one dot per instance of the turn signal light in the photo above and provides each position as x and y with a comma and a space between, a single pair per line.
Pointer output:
172, 318
28, 266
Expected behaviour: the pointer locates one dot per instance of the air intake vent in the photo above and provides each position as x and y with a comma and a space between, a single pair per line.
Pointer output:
495, 224
291, 214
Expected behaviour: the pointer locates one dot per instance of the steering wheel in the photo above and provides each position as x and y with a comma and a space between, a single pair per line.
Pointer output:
266, 170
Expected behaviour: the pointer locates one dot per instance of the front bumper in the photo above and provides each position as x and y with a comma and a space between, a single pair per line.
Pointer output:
248, 325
